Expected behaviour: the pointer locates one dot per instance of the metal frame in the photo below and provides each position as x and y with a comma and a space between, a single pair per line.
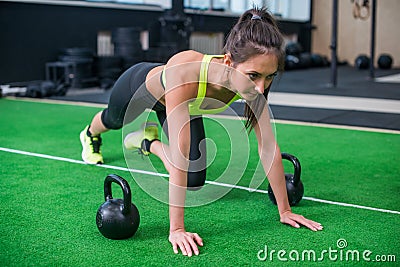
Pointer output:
372, 52
334, 42
333, 45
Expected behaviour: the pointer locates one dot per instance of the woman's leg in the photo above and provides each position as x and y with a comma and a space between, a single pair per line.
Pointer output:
198, 158
96, 126
161, 150
109, 118
198, 154
128, 88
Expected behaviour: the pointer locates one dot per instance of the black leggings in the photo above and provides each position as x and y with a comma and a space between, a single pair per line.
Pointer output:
130, 98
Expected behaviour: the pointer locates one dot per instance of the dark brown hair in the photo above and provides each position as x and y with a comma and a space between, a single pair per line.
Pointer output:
256, 32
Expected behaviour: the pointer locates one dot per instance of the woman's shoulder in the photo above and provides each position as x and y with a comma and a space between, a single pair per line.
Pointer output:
182, 73
187, 56
185, 66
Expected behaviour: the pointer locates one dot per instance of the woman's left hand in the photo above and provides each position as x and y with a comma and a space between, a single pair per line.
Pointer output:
296, 220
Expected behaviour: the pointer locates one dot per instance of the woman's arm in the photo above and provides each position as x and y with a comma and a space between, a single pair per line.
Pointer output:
180, 90
271, 159
179, 143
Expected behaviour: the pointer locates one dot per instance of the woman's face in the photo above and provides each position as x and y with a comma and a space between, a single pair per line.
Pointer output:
254, 76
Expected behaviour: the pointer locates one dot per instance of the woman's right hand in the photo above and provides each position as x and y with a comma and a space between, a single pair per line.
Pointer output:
185, 241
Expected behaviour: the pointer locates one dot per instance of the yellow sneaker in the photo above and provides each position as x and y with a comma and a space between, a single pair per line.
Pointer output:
137, 140
91, 153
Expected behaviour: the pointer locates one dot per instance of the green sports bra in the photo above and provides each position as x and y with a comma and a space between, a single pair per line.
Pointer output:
194, 107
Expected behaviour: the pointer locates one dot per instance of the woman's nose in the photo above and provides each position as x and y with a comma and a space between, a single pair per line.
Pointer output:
260, 87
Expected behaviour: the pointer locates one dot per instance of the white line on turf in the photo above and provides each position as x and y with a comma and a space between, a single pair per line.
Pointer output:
208, 182
57, 102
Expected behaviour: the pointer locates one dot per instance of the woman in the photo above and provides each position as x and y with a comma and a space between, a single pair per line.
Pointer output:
189, 85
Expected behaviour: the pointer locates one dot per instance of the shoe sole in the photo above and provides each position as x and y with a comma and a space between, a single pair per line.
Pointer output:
138, 135
127, 137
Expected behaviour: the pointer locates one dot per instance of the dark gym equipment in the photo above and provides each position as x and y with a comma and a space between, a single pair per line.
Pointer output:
334, 41
40, 89
294, 186
305, 60
173, 28
82, 58
296, 58
362, 62
108, 69
117, 218
291, 62
127, 45
293, 48
318, 60
62, 74
126, 35
36, 89
385, 61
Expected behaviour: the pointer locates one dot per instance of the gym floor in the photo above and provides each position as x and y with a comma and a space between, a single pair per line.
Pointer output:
307, 96
50, 196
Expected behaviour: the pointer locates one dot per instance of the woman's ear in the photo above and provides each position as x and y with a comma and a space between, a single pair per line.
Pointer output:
228, 59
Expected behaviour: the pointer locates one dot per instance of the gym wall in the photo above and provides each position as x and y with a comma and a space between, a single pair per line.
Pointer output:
33, 32
354, 34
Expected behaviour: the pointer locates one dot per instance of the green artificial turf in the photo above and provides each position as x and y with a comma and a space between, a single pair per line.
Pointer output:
48, 208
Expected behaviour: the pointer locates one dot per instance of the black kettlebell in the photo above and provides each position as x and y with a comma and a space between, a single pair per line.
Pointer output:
294, 186
117, 218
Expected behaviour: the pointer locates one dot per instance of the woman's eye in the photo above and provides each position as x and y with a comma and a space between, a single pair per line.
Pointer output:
271, 76
253, 76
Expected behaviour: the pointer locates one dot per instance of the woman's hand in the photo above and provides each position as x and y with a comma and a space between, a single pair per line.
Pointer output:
186, 242
295, 220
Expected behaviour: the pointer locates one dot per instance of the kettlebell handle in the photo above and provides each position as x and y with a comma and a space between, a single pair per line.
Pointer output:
126, 190
296, 165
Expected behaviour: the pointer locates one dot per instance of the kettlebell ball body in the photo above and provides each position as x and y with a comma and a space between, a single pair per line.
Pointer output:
117, 218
